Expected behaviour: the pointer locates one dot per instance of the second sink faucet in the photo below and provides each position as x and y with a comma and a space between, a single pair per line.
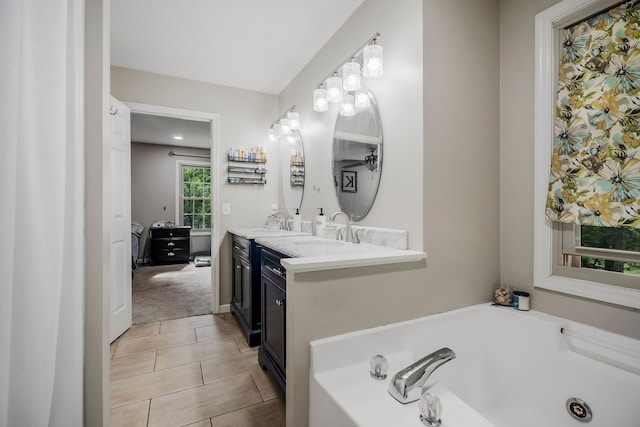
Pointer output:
348, 236
284, 225
406, 385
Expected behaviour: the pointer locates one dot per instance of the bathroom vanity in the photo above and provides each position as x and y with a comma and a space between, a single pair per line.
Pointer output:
245, 278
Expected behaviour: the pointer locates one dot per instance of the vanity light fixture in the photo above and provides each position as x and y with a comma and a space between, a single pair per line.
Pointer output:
294, 120
271, 135
284, 125
351, 76
334, 88
348, 107
351, 70
320, 102
372, 60
362, 99
285, 129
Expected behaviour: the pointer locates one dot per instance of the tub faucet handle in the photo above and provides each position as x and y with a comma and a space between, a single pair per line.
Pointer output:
430, 410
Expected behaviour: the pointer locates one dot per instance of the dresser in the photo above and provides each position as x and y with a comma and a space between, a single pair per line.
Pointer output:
169, 245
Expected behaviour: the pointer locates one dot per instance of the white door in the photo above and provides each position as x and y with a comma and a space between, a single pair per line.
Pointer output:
120, 218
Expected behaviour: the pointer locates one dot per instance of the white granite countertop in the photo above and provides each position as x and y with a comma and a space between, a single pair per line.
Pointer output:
311, 253
256, 232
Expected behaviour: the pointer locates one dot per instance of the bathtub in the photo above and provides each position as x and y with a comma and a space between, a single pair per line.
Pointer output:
512, 368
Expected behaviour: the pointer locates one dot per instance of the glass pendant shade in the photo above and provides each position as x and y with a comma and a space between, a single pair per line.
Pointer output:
334, 89
351, 76
372, 62
320, 102
347, 108
285, 129
290, 139
362, 99
294, 120
271, 135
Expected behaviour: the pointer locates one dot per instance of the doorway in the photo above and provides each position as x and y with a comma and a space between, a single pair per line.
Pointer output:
166, 210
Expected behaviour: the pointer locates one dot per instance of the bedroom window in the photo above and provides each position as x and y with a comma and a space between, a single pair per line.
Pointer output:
195, 197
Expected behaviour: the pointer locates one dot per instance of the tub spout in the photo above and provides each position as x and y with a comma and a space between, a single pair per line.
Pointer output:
406, 385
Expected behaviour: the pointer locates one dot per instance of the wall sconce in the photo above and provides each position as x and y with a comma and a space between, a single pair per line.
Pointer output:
348, 107
351, 76
362, 99
372, 62
294, 120
334, 88
285, 129
271, 135
352, 72
320, 101
284, 125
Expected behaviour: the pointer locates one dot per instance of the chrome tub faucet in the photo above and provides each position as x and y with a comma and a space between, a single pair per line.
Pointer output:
406, 385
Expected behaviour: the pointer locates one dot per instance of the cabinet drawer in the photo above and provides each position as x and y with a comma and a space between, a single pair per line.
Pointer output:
272, 267
162, 232
242, 247
171, 244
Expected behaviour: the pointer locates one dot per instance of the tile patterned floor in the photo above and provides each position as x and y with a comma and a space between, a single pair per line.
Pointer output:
196, 372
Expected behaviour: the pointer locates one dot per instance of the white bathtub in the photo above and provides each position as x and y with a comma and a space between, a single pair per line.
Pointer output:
512, 368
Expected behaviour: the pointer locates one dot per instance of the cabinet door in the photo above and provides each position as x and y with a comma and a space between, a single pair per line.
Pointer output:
237, 280
245, 284
273, 326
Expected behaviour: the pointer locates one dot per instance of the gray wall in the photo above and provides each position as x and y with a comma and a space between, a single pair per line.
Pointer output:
461, 149
516, 176
153, 189
439, 105
399, 202
244, 119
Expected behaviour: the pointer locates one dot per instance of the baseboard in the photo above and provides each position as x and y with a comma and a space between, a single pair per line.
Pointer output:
225, 308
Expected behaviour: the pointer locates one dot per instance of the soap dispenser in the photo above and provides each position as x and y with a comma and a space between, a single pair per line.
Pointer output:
297, 221
321, 223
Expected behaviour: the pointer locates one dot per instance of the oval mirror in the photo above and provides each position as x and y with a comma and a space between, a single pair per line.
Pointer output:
292, 164
357, 159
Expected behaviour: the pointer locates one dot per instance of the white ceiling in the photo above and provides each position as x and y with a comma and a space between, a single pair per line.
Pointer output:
161, 130
259, 45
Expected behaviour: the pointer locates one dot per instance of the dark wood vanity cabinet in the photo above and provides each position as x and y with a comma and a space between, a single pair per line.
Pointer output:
272, 354
245, 293
169, 244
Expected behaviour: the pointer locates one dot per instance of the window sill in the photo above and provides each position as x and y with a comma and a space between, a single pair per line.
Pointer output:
195, 233
618, 295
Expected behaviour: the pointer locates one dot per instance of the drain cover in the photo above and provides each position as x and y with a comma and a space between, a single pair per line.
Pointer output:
579, 410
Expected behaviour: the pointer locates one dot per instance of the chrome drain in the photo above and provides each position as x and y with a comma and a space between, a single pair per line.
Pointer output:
579, 410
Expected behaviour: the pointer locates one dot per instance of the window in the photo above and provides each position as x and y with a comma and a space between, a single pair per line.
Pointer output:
611, 254
195, 197
599, 263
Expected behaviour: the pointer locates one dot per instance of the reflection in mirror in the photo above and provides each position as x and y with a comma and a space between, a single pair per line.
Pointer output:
357, 159
292, 165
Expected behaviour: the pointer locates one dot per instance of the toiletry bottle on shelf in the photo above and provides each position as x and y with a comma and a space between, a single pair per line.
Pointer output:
297, 221
321, 223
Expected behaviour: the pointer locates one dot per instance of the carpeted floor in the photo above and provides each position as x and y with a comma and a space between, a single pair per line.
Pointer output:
167, 292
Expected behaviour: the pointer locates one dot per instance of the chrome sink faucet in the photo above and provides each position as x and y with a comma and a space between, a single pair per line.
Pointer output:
284, 225
348, 236
406, 385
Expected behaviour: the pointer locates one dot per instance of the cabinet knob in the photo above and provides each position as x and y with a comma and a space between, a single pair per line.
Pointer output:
171, 254
279, 302
171, 244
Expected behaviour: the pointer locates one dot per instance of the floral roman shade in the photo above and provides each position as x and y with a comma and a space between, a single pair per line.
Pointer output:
595, 165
